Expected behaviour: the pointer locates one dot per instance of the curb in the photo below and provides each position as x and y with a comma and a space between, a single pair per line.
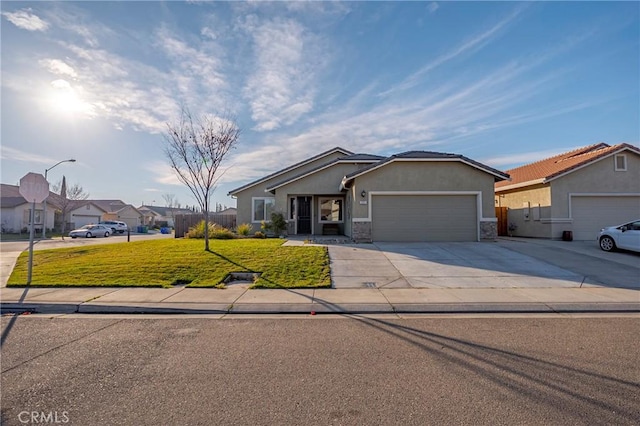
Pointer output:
308, 308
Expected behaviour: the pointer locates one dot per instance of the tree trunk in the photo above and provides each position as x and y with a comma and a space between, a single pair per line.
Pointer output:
206, 229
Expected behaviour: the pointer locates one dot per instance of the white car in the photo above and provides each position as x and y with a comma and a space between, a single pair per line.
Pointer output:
626, 237
116, 226
91, 231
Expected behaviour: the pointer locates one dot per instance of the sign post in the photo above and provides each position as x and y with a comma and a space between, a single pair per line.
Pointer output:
34, 188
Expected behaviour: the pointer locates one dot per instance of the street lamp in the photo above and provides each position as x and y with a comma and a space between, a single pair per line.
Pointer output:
44, 213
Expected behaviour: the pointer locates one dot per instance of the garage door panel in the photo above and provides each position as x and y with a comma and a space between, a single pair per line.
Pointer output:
424, 218
590, 214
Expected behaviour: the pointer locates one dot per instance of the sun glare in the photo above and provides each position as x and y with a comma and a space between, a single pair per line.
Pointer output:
64, 99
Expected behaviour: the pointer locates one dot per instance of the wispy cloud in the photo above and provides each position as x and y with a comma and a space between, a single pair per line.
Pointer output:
13, 154
280, 90
524, 158
433, 6
26, 20
470, 45
57, 66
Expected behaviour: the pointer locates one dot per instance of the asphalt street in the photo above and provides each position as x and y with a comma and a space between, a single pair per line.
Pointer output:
353, 370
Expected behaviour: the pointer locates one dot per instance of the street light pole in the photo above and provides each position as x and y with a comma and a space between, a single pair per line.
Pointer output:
44, 212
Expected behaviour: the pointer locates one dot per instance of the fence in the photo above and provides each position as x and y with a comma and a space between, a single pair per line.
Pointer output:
185, 221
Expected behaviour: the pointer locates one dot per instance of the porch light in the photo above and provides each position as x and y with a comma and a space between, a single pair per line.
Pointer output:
363, 193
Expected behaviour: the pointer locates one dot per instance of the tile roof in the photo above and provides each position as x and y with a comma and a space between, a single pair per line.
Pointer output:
552, 167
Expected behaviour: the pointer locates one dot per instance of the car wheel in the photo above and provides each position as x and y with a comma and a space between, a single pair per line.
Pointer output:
88, 235
607, 243
106, 234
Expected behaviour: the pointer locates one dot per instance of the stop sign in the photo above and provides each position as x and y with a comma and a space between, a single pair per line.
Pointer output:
34, 187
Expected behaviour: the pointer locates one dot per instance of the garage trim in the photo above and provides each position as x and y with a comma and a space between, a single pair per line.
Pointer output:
477, 194
598, 194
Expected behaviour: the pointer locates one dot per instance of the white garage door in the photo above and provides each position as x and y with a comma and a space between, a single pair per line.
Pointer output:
424, 218
590, 214
81, 220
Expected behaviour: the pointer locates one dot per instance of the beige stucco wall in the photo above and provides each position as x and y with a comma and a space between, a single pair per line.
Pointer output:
538, 196
424, 176
599, 177
243, 202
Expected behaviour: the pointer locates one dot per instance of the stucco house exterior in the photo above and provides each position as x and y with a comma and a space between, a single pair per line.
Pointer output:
413, 196
15, 210
157, 214
580, 191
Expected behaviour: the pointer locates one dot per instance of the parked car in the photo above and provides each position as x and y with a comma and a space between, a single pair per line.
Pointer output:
116, 226
89, 231
626, 236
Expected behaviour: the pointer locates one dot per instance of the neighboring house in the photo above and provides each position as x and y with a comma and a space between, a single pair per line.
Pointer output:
87, 212
15, 210
118, 210
156, 214
413, 196
229, 211
580, 191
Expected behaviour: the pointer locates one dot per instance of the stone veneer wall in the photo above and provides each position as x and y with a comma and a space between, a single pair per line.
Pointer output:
361, 232
488, 231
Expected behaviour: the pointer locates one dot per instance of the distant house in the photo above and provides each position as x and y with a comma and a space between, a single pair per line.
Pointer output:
15, 210
411, 196
580, 191
229, 211
156, 214
94, 211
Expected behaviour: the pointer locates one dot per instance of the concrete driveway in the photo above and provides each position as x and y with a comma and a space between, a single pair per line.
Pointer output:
463, 265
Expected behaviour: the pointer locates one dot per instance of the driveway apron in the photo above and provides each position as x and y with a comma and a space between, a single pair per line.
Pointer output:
443, 265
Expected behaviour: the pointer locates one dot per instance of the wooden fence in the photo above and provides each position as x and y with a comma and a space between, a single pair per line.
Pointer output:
185, 221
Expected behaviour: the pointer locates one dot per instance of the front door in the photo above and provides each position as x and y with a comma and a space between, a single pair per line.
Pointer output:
304, 215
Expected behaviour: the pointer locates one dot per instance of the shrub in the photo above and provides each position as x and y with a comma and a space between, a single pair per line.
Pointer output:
215, 231
278, 224
259, 234
244, 229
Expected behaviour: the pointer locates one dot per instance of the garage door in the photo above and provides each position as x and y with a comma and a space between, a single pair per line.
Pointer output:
590, 214
424, 218
81, 220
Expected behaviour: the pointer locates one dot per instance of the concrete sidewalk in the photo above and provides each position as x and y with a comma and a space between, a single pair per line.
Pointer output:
574, 277
306, 301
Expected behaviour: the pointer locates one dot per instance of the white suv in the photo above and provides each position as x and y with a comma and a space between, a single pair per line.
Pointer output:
116, 226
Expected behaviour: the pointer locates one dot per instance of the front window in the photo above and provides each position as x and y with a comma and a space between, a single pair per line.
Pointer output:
262, 209
37, 220
331, 209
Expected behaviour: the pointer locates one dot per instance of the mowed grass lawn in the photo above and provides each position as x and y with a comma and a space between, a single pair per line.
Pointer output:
163, 263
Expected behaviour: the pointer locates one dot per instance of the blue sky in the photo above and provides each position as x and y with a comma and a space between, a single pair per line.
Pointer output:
504, 83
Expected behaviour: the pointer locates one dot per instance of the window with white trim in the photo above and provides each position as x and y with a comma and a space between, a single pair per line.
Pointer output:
37, 216
330, 210
261, 208
620, 163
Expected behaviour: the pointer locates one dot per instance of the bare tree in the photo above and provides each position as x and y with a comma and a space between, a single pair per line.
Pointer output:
171, 202
68, 199
195, 149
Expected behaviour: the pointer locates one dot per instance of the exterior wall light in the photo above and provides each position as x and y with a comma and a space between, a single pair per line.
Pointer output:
363, 193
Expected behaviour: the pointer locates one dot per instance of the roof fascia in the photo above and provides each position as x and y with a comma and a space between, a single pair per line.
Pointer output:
314, 171
385, 162
520, 185
288, 169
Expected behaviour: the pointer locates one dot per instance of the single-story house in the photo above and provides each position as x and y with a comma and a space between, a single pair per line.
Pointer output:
580, 192
15, 211
118, 210
412, 196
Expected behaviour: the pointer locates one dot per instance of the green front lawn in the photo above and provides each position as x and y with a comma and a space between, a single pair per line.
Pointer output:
161, 263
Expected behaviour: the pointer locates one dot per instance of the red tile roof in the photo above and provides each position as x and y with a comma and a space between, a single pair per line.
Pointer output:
554, 166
